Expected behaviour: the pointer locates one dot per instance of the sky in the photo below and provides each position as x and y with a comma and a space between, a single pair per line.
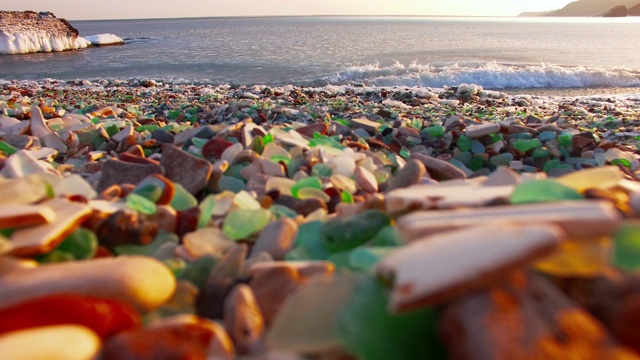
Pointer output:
138, 9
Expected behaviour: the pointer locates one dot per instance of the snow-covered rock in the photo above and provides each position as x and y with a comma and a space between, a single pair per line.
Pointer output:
104, 40
28, 31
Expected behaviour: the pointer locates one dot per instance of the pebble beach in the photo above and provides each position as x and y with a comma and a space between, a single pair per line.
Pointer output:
151, 220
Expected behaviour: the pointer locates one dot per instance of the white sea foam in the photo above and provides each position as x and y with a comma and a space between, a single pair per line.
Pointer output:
104, 39
491, 75
41, 41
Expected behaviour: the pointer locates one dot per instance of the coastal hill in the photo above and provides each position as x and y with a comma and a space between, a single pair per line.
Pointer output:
593, 8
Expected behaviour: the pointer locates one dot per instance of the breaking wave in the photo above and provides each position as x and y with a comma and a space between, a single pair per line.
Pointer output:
491, 76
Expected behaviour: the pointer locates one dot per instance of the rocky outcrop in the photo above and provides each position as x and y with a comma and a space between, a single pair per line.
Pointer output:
28, 31
617, 11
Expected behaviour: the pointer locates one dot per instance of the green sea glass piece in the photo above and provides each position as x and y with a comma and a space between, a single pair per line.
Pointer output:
346, 197
56, 256
182, 199
7, 149
434, 131
228, 183
536, 191
141, 204
309, 182
340, 234
388, 236
524, 146
366, 258
206, 210
464, 143
368, 331
626, 247
309, 244
81, 244
240, 224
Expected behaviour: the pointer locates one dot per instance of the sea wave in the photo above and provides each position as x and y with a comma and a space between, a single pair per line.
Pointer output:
491, 75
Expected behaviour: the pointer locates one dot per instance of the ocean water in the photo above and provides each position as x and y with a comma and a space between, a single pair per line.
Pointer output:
496, 53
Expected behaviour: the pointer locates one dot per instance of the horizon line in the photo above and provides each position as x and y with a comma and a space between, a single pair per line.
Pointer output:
303, 16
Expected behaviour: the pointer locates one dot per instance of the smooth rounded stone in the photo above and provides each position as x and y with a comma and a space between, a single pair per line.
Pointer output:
18, 141
344, 183
210, 299
230, 153
243, 320
25, 162
143, 282
43, 238
309, 205
343, 165
233, 263
38, 124
116, 172
51, 342
273, 282
366, 180
439, 169
598, 178
177, 337
435, 268
105, 317
501, 159
503, 176
206, 241
310, 130
74, 185
25, 190
258, 184
410, 174
123, 134
277, 238
369, 126
543, 191
281, 184
368, 331
126, 227
162, 136
478, 131
191, 172
305, 323
340, 234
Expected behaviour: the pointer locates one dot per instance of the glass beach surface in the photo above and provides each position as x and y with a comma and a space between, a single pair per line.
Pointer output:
324, 187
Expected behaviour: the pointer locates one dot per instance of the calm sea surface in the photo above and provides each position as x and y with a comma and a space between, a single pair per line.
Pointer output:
493, 52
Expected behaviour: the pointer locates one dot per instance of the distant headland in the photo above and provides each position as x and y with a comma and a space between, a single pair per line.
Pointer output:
603, 8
